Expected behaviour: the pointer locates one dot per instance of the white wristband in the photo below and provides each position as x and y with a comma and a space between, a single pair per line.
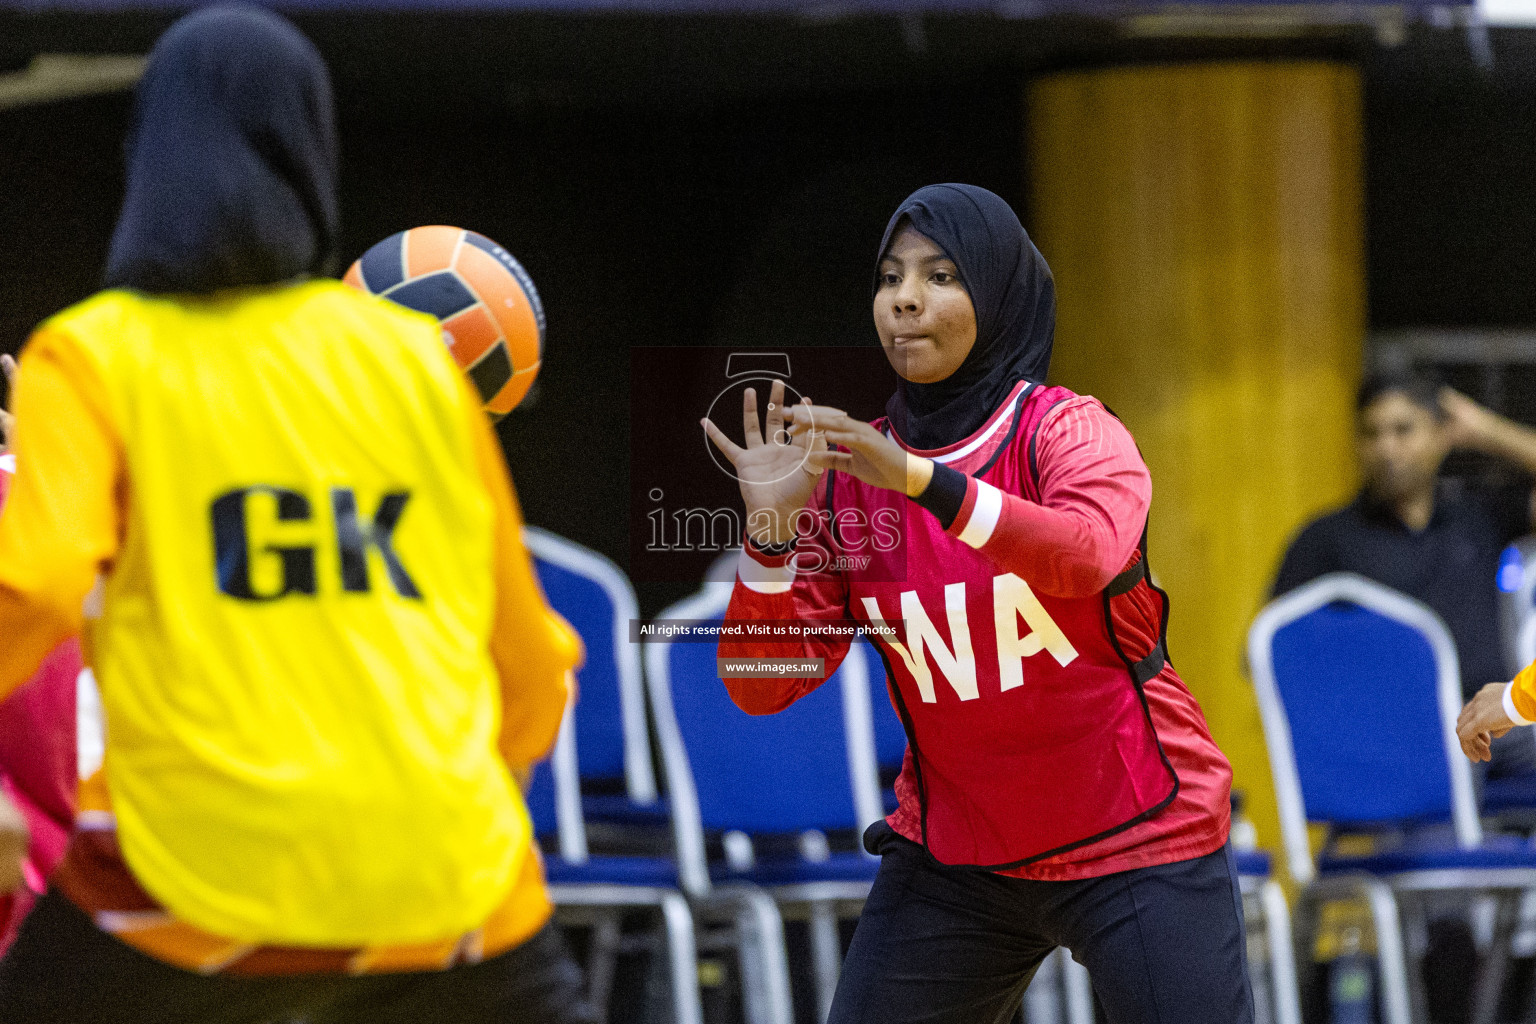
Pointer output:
1510, 709
764, 579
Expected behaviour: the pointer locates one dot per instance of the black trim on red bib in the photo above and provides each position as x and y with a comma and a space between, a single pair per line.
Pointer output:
1127, 579
1013, 430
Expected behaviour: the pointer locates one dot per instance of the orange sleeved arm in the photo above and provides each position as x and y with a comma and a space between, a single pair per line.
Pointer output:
533, 648
63, 518
1522, 695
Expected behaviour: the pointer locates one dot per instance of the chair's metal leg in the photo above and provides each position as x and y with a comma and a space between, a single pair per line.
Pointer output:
1414, 908
1527, 914
1282, 958
1079, 990
1490, 980
1395, 999
683, 958
1387, 924
602, 961
1304, 942
826, 954
1482, 917
1256, 943
1042, 1000
760, 939
1526, 920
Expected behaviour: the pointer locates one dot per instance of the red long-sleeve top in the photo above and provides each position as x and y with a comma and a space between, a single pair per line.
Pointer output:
1094, 492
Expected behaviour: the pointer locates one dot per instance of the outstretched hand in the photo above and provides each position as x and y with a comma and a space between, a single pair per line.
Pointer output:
775, 474
7, 421
871, 456
1482, 721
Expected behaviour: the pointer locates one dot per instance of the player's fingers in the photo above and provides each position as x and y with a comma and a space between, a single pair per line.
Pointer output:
808, 413
830, 460
807, 416
14, 837
807, 435
7, 421
753, 432
805, 425
800, 424
775, 416
727, 447
1470, 747
1466, 736
845, 437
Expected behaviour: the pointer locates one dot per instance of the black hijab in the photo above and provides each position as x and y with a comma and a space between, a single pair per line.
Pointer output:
231, 159
1015, 300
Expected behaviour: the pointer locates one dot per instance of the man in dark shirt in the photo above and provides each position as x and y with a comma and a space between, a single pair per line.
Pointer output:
1436, 541
1439, 543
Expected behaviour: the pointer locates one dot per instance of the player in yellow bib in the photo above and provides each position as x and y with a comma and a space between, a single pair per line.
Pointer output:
276, 510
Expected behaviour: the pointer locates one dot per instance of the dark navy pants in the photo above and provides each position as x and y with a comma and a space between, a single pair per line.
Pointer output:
937, 945
64, 970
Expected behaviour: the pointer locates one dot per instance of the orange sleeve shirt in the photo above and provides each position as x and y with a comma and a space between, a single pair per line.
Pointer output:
61, 524
82, 503
63, 520
1520, 697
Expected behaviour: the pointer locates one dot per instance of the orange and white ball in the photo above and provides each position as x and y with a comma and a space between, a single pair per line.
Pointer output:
490, 311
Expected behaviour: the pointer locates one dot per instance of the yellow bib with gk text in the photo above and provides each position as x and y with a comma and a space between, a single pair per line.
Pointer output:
293, 656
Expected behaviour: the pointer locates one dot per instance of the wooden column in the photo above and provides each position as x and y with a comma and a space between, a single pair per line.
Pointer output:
1204, 223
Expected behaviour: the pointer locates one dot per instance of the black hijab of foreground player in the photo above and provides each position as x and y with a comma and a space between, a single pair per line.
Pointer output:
231, 159
1015, 300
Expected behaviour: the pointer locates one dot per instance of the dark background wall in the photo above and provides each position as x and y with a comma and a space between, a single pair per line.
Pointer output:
693, 182
1451, 185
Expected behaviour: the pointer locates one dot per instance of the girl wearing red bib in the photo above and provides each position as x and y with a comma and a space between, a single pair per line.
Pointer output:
1060, 785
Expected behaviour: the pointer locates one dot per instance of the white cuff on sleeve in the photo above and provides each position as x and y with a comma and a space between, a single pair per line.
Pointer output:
984, 515
765, 579
1510, 709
